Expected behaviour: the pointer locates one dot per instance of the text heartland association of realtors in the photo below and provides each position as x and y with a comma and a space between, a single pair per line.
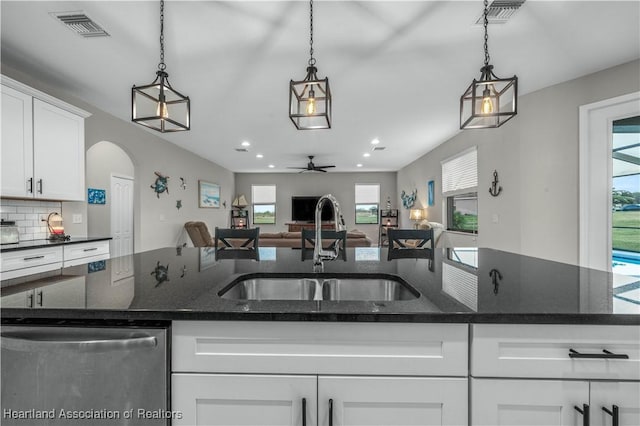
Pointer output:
139, 413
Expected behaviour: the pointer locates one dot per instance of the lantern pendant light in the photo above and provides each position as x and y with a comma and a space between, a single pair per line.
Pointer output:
490, 101
310, 99
158, 105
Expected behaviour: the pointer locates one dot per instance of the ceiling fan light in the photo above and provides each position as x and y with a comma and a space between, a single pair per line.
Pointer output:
310, 102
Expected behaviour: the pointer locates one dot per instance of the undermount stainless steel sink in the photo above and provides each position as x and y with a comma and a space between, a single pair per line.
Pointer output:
366, 288
272, 289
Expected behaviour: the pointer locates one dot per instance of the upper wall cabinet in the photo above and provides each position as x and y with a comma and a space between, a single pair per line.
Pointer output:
42, 145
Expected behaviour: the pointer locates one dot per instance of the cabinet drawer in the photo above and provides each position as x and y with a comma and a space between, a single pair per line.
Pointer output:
543, 351
320, 348
23, 259
78, 251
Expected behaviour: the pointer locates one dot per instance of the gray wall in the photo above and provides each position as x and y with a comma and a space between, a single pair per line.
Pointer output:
157, 222
536, 156
341, 185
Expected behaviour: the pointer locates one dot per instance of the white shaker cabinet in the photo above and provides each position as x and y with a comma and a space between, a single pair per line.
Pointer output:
348, 373
42, 145
58, 153
17, 144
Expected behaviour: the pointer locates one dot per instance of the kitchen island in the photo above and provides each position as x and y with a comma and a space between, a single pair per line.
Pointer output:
486, 335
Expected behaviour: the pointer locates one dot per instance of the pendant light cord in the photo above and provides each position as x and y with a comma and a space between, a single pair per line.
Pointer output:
312, 60
162, 66
486, 34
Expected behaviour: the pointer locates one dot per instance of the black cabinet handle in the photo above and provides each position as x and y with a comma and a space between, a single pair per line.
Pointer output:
30, 301
613, 413
304, 411
33, 257
40, 298
30, 185
331, 412
91, 249
585, 413
604, 355
40, 186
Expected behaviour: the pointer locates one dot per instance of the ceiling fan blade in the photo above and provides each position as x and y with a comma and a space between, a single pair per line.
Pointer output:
324, 167
320, 170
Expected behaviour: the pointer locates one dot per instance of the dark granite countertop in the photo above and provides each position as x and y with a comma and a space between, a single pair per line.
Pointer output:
457, 285
34, 244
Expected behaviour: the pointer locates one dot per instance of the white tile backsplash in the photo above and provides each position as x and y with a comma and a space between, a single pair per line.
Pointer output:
29, 216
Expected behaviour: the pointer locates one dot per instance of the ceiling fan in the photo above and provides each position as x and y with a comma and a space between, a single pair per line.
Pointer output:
311, 167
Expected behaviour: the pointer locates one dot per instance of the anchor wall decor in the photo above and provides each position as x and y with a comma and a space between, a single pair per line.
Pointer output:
495, 190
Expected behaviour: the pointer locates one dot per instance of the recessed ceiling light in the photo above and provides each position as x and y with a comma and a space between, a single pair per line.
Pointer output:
366, 154
271, 166
259, 155
358, 165
375, 142
245, 143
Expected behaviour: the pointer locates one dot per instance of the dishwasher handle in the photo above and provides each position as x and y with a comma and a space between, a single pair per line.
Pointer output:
38, 342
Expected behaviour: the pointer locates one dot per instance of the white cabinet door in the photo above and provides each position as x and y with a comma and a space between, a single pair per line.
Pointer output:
623, 395
58, 145
248, 400
17, 144
392, 401
527, 402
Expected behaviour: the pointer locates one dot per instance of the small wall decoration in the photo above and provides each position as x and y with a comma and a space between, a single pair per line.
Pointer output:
209, 194
431, 193
495, 190
97, 196
178, 204
183, 184
408, 200
161, 185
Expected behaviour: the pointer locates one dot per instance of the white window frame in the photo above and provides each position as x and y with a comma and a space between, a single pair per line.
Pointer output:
266, 202
367, 201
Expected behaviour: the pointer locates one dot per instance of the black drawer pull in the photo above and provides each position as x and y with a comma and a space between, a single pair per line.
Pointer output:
604, 355
30, 182
585, 413
613, 413
33, 258
304, 411
40, 186
331, 412
91, 249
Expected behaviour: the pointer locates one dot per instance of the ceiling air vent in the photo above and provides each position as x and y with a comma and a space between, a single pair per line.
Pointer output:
379, 148
80, 24
500, 11
242, 150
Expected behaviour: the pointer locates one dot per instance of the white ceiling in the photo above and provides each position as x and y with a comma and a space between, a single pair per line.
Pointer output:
396, 69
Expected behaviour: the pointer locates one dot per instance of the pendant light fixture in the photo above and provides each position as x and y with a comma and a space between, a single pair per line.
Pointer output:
310, 99
490, 101
158, 105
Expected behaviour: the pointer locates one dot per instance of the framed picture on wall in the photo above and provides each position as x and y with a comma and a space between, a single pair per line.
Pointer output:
208, 195
430, 192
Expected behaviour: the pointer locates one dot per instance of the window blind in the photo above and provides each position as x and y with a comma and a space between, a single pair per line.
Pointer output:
367, 193
460, 172
461, 285
263, 194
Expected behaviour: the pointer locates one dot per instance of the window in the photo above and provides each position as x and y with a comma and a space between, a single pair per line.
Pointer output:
367, 203
263, 199
460, 189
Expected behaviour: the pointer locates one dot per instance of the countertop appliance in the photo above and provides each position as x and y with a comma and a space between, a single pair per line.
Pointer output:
84, 376
8, 232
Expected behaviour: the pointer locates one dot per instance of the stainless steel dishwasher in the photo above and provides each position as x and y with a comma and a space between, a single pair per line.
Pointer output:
84, 376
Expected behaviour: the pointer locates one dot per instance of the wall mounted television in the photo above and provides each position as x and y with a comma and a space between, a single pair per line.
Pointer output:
303, 209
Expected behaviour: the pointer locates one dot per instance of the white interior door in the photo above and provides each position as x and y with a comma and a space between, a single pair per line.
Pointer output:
121, 216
